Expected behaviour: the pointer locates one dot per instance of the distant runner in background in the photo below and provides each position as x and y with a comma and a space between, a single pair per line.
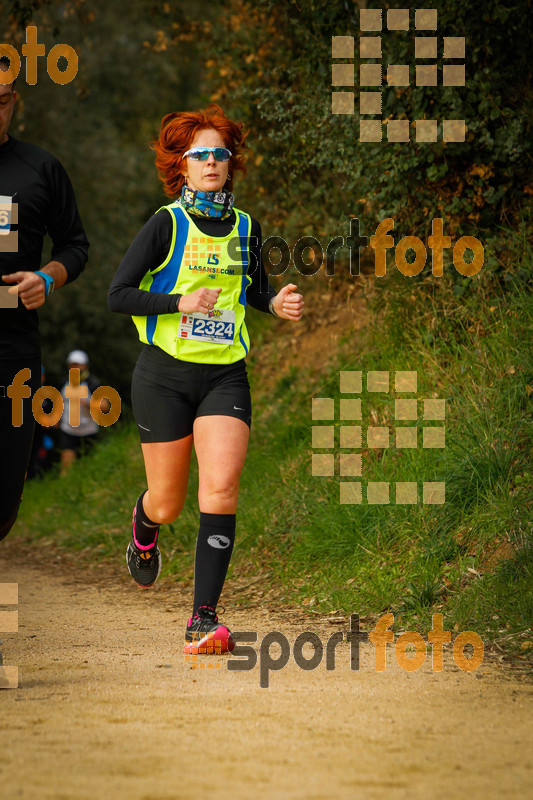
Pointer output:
44, 449
74, 440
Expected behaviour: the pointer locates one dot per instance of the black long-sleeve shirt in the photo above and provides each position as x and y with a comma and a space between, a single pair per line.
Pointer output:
39, 185
151, 247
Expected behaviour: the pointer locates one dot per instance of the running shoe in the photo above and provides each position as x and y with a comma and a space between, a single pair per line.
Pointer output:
205, 634
144, 566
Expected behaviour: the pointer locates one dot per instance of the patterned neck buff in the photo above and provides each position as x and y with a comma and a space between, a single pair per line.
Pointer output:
206, 204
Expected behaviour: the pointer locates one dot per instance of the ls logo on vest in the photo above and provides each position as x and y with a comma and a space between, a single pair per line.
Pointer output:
202, 260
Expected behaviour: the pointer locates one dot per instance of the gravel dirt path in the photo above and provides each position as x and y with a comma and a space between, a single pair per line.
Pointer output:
107, 707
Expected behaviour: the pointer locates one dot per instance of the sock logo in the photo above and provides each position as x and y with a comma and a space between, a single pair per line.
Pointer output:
220, 542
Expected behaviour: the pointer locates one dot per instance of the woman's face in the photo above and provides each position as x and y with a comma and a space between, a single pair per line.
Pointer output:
210, 175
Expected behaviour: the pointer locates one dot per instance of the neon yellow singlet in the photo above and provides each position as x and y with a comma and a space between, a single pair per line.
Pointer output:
195, 261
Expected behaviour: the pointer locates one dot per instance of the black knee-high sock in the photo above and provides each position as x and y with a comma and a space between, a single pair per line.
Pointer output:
146, 531
213, 552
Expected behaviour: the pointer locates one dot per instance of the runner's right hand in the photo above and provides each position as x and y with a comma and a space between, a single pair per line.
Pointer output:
30, 287
201, 300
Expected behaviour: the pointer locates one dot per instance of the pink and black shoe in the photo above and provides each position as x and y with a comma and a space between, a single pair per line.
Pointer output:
144, 566
144, 563
206, 635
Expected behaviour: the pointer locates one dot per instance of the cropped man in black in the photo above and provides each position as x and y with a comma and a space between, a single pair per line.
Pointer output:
36, 197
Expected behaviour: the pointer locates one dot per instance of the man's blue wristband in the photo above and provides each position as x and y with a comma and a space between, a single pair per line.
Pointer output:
49, 282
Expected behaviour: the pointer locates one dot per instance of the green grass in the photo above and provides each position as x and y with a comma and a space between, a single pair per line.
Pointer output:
470, 559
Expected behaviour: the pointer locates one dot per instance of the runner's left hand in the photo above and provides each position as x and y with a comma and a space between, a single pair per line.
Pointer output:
287, 304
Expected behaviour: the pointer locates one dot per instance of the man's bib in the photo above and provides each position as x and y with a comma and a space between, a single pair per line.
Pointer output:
198, 261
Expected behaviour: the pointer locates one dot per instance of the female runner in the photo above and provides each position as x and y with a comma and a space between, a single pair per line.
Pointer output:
186, 280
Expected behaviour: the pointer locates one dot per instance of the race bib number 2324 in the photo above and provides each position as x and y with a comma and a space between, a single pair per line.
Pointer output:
216, 328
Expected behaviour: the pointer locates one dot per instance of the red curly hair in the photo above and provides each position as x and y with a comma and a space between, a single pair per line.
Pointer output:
178, 131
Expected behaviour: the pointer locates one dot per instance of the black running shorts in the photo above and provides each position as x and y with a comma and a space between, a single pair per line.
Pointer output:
168, 394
